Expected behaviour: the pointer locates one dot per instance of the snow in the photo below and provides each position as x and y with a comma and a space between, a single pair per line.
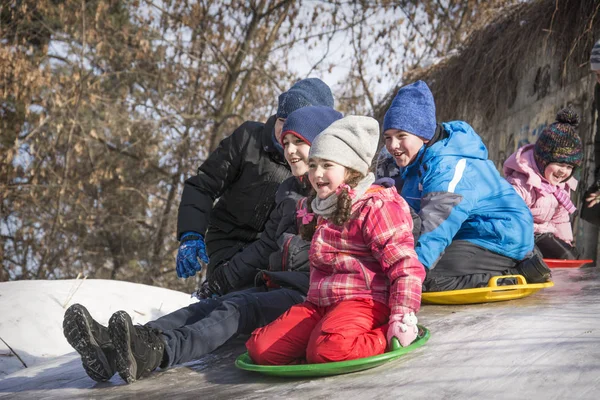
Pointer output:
545, 346
32, 313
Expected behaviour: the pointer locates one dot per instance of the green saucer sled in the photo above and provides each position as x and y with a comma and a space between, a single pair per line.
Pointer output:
334, 368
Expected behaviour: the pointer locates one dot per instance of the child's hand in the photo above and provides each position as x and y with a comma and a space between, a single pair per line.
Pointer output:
403, 327
593, 199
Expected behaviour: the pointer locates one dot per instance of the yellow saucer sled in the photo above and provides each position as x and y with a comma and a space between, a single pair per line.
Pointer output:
488, 294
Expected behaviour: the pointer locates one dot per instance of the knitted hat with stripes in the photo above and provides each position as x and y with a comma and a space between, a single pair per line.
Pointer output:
559, 142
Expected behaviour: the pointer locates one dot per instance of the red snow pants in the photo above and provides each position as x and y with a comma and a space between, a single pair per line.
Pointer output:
347, 330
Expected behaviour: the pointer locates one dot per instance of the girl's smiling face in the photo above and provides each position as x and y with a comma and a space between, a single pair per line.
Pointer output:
296, 154
556, 173
325, 176
403, 146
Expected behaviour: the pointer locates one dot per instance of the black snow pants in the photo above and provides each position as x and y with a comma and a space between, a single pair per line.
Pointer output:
465, 265
202, 327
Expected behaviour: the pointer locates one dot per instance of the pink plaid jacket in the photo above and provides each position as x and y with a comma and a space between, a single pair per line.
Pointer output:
361, 258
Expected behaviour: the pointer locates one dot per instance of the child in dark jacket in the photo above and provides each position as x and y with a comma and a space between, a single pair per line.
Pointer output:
225, 207
365, 278
193, 331
542, 174
473, 223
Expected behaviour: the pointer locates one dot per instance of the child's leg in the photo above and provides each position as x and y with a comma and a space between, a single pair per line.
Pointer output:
284, 340
241, 313
186, 315
553, 247
465, 265
351, 329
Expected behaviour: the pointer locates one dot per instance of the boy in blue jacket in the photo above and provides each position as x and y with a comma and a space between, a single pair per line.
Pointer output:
474, 224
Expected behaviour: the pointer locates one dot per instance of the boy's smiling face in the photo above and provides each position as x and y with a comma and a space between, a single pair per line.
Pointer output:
296, 152
403, 146
325, 176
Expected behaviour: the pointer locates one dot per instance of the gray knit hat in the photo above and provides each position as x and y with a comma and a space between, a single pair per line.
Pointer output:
350, 141
595, 58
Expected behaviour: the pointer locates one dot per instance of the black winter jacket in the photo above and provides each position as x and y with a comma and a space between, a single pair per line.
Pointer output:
243, 173
592, 215
597, 135
243, 267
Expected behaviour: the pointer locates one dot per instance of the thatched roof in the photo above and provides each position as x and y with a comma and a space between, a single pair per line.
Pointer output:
482, 77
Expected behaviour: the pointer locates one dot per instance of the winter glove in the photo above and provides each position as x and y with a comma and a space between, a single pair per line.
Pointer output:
217, 286
204, 292
191, 248
403, 327
218, 283
385, 182
293, 255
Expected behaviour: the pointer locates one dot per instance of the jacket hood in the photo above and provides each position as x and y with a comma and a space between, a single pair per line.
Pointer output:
523, 162
460, 141
268, 135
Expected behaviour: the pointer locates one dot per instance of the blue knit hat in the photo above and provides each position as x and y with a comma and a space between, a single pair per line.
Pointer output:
307, 122
412, 111
307, 92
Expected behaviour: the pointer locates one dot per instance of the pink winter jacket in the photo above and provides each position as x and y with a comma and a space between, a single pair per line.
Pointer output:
548, 215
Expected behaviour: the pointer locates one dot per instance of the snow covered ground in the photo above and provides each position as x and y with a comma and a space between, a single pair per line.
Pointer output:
31, 313
546, 346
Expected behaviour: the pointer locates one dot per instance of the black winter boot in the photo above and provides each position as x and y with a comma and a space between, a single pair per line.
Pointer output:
92, 342
140, 349
534, 269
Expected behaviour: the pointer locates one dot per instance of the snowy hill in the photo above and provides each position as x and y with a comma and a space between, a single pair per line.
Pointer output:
545, 346
32, 313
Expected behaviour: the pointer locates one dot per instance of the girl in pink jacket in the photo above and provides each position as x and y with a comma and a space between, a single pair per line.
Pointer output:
365, 277
542, 173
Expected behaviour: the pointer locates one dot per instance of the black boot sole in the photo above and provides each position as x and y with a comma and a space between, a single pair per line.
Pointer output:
118, 329
77, 331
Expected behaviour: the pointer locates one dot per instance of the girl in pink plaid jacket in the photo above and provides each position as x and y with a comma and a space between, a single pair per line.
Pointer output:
365, 277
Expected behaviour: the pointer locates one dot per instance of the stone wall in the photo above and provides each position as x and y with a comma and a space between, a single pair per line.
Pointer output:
539, 95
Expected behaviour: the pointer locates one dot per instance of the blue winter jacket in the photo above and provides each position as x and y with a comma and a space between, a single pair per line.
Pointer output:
459, 195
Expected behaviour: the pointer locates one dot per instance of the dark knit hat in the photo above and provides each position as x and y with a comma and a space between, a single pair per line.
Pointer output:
595, 57
559, 142
307, 122
412, 111
307, 92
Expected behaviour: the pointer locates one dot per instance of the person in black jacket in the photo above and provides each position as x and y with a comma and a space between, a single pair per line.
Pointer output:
243, 173
591, 207
240, 271
195, 330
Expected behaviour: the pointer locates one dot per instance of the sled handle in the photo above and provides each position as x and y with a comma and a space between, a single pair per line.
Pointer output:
494, 280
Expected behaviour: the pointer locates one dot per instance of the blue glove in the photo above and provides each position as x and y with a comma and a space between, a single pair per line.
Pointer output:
192, 247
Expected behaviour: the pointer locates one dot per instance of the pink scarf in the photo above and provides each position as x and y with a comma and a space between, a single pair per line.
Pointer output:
561, 195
